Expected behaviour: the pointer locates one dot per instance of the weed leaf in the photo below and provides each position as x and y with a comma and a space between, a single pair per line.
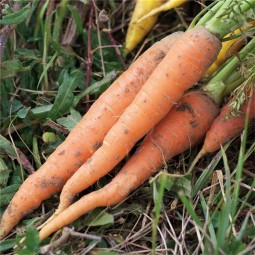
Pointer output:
65, 96
16, 17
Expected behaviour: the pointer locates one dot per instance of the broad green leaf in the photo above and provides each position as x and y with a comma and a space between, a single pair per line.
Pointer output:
16, 105
22, 113
96, 88
31, 244
4, 173
71, 120
7, 244
65, 96
32, 239
98, 217
7, 194
177, 183
16, 17
26, 54
41, 112
6, 145
10, 68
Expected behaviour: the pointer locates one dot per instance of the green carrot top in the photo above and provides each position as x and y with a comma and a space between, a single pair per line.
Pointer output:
224, 16
235, 72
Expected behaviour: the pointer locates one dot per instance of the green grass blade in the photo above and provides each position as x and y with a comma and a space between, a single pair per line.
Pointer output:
223, 225
45, 70
208, 220
190, 208
158, 204
205, 176
239, 169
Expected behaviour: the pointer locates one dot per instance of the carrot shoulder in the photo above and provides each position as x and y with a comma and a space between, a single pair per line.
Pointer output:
184, 125
183, 66
86, 137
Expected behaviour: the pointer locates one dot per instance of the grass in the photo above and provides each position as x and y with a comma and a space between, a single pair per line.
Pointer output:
44, 93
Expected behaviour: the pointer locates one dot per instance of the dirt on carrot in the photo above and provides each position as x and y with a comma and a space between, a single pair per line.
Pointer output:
86, 137
182, 67
173, 135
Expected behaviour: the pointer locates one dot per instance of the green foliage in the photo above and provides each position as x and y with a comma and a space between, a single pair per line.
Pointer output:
4, 173
17, 17
31, 243
11, 68
65, 96
7, 193
98, 217
6, 245
7, 146
71, 120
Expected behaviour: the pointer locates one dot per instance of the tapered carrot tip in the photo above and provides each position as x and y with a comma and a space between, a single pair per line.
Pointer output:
201, 153
73, 212
52, 217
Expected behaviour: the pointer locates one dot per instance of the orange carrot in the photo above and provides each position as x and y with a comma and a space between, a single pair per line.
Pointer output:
225, 127
183, 66
184, 125
86, 137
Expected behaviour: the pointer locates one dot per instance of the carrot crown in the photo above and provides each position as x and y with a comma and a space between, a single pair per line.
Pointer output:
230, 76
224, 16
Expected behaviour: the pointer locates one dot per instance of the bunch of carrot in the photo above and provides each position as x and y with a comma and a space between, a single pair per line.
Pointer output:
128, 110
184, 126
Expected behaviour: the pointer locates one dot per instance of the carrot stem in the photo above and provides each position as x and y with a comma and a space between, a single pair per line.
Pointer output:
228, 77
230, 16
206, 14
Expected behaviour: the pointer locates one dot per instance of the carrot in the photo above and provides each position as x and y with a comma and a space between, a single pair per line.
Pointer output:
184, 126
143, 19
184, 64
85, 138
171, 136
225, 127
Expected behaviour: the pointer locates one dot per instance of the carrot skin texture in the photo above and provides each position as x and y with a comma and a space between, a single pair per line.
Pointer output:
223, 129
86, 137
184, 126
183, 66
